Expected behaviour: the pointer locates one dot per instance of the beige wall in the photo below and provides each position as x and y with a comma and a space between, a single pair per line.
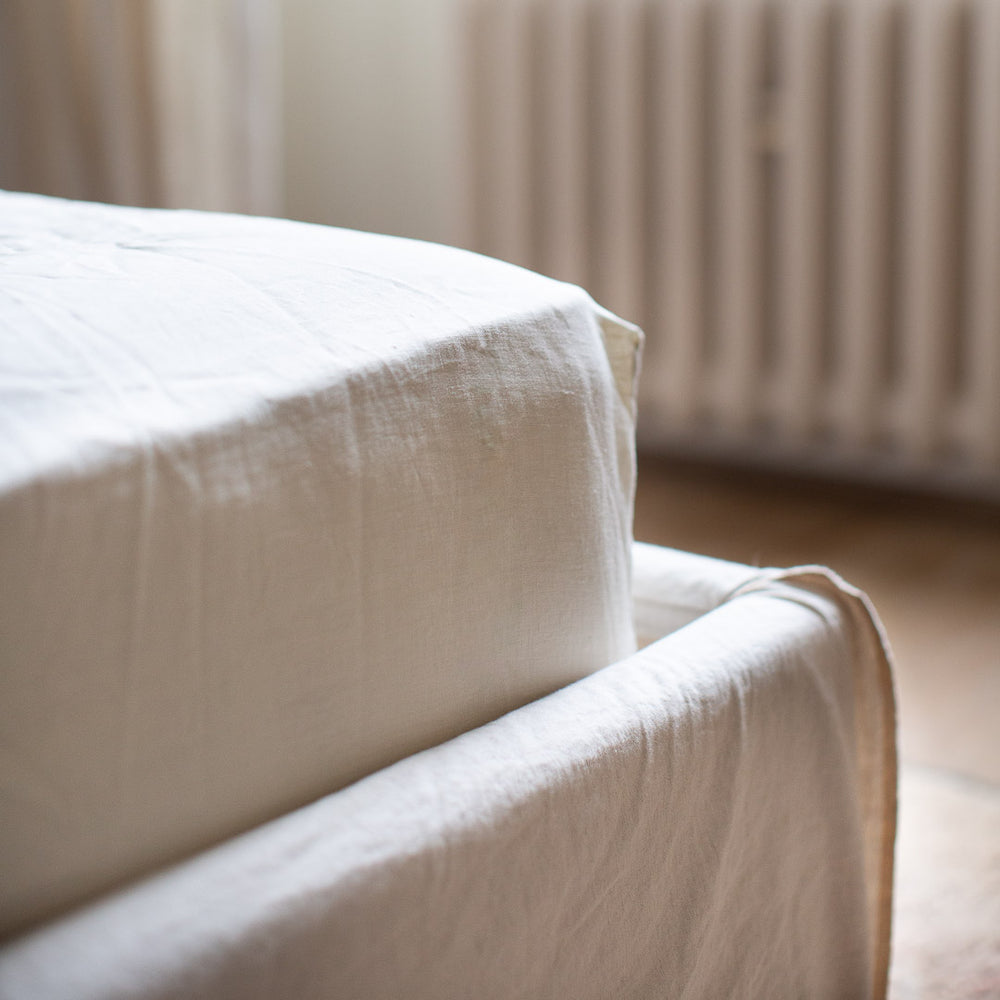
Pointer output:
369, 93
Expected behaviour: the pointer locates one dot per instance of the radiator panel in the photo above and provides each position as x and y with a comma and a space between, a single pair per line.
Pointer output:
799, 201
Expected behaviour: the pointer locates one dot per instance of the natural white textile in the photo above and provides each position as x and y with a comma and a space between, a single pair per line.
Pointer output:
712, 817
279, 505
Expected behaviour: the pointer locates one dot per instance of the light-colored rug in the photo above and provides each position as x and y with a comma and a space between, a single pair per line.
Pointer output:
946, 937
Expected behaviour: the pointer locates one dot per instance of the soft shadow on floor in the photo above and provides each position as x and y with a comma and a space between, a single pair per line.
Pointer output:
932, 569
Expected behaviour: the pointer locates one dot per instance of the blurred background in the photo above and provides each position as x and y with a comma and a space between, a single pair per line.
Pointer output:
799, 202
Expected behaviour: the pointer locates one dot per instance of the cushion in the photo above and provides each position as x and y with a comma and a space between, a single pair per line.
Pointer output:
279, 504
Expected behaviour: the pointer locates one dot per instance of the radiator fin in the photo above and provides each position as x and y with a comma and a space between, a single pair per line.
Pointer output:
926, 329
983, 414
864, 161
802, 265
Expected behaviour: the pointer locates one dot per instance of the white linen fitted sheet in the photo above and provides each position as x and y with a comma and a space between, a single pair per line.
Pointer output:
712, 817
279, 504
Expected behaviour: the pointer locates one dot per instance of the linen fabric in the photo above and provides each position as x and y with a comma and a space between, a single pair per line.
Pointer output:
711, 817
279, 504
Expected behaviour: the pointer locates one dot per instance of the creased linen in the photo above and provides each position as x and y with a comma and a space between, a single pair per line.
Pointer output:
279, 504
711, 817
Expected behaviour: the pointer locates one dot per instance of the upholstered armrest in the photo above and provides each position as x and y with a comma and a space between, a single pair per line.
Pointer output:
714, 812
673, 589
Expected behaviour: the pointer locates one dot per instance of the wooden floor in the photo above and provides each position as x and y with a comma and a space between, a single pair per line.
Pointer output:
932, 569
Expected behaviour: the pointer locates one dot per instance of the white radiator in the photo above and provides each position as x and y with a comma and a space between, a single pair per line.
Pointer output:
799, 201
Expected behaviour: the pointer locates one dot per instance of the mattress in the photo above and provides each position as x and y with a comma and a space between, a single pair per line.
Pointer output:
711, 817
279, 505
